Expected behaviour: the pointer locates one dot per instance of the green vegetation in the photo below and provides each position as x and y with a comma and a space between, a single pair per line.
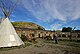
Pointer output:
23, 37
39, 45
65, 42
27, 25
26, 43
68, 29
70, 43
42, 53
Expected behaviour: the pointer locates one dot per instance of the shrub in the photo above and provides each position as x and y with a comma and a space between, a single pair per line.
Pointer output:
23, 37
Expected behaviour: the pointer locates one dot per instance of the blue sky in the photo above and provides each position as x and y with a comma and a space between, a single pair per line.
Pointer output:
51, 14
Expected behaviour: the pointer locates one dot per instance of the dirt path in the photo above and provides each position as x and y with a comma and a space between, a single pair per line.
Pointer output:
43, 48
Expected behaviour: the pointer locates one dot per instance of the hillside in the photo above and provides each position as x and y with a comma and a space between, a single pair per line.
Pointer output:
27, 25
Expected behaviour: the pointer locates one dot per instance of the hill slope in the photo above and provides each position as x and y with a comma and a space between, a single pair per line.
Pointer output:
27, 25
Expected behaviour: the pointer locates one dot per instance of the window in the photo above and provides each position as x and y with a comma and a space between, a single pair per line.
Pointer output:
78, 35
63, 35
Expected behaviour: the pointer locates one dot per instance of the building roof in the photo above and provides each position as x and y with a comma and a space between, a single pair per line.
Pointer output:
17, 28
76, 31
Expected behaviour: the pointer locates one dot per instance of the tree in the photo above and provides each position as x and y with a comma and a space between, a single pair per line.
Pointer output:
68, 29
63, 29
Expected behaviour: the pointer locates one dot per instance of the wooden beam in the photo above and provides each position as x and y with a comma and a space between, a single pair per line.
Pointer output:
12, 9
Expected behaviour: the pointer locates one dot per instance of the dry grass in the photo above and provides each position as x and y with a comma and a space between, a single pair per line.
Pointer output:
44, 47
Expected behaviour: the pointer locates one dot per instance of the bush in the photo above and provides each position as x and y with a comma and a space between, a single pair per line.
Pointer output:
23, 37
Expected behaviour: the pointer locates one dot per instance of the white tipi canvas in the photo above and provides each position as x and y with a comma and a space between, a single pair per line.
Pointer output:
8, 35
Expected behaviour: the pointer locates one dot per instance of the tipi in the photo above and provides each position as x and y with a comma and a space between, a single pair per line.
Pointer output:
8, 35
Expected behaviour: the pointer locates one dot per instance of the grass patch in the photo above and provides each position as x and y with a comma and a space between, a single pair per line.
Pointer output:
64, 42
26, 43
70, 43
10, 48
49, 41
40, 45
50, 46
37, 46
42, 53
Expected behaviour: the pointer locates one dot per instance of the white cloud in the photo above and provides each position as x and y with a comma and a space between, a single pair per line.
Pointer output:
12, 20
49, 10
56, 26
13, 16
43, 10
69, 8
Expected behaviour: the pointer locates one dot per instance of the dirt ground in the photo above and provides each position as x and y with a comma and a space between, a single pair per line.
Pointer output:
44, 48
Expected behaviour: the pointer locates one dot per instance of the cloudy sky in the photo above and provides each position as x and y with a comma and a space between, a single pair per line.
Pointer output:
51, 14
